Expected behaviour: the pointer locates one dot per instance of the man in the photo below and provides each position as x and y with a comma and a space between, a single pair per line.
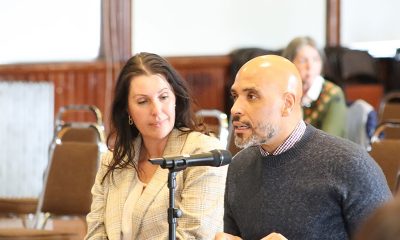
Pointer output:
292, 178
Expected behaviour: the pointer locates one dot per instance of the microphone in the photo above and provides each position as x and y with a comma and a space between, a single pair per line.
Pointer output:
214, 158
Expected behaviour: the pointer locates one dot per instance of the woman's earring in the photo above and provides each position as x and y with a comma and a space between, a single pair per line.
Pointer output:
130, 120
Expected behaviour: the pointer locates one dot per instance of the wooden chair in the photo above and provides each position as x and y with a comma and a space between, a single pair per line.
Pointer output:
358, 66
68, 180
386, 154
386, 129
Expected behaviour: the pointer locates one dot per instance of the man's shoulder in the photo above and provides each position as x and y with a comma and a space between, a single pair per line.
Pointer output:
321, 141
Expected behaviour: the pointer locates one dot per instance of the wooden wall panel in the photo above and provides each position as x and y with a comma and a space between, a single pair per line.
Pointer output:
86, 83
74, 83
206, 76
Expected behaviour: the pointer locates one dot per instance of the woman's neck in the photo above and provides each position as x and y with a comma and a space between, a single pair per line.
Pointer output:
154, 147
150, 149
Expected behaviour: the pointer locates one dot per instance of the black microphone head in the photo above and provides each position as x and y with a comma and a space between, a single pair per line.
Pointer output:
222, 157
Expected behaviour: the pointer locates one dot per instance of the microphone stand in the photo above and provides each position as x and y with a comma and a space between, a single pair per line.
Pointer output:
180, 163
173, 213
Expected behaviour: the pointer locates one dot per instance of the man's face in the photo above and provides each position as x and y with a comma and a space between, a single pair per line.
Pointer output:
257, 109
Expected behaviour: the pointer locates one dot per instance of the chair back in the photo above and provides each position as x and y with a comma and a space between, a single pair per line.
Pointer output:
79, 131
386, 154
386, 130
69, 179
220, 128
389, 111
359, 64
74, 156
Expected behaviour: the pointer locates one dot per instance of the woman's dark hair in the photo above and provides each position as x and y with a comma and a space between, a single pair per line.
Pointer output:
122, 134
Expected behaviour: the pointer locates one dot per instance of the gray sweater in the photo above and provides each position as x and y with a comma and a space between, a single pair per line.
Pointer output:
321, 188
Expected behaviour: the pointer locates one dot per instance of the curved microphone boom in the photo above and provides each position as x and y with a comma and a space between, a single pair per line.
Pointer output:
214, 158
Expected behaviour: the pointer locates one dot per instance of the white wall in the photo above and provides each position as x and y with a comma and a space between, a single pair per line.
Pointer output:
214, 27
48, 30
26, 127
372, 25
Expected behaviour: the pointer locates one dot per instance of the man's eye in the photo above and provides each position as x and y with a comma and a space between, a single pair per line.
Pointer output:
251, 96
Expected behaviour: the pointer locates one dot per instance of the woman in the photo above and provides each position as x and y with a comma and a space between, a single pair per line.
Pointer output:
152, 117
324, 104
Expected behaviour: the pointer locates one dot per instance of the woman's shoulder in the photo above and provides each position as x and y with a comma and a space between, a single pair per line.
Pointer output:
199, 136
106, 158
332, 93
332, 88
202, 141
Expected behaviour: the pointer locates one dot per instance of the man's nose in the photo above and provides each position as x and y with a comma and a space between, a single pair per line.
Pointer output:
236, 108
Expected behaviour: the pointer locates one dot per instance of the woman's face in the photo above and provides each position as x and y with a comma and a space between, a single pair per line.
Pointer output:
151, 104
309, 63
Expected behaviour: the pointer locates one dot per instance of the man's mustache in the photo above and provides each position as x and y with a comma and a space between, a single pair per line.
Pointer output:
236, 118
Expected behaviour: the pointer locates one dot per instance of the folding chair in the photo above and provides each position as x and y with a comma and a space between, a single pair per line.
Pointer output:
389, 111
358, 66
88, 131
70, 174
385, 152
389, 106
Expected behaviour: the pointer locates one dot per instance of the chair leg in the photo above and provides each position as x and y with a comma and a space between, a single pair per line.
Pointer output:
41, 220
46, 218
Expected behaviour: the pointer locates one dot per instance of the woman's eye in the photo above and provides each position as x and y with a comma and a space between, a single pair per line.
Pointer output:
163, 97
140, 102
302, 61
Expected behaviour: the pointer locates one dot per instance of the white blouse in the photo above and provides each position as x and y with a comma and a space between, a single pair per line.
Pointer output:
133, 197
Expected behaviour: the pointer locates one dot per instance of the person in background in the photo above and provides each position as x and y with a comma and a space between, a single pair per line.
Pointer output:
383, 224
292, 178
152, 117
323, 102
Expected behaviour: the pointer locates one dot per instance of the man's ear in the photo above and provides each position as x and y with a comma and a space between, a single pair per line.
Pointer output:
289, 101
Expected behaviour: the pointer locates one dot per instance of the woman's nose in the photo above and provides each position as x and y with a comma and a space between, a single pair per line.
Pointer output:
156, 107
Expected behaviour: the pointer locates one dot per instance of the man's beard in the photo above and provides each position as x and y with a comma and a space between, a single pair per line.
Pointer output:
260, 135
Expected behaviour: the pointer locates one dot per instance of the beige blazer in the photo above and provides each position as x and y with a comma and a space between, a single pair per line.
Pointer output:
199, 194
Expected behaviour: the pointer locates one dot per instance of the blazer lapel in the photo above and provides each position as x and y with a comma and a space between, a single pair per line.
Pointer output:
124, 179
159, 180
